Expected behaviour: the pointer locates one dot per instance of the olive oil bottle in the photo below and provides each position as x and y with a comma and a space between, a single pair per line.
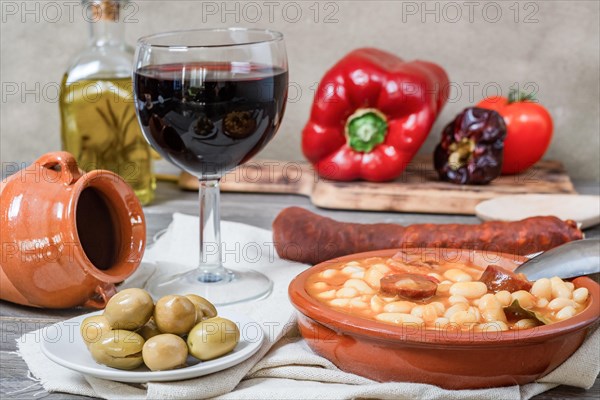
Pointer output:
98, 121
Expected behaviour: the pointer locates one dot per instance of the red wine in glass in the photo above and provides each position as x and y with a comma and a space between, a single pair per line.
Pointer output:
208, 100
207, 118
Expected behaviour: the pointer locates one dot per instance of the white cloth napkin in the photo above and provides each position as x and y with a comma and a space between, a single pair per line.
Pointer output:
284, 367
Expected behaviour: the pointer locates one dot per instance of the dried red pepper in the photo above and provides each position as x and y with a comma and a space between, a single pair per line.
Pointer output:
471, 148
371, 113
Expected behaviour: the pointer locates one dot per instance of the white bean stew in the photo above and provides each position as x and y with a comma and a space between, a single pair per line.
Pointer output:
441, 294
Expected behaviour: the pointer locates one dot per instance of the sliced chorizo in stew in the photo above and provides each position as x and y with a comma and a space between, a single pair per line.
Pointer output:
497, 278
408, 286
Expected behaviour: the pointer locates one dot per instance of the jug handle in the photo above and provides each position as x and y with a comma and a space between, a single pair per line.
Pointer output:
69, 172
104, 291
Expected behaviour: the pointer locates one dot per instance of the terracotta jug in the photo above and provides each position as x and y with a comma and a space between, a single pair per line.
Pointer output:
67, 237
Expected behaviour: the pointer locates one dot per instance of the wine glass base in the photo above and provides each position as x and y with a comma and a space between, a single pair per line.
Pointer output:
221, 287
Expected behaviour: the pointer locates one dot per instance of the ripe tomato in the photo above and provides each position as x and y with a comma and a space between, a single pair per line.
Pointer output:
528, 130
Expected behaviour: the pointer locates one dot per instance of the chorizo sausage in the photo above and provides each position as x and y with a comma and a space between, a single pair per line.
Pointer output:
497, 278
303, 236
408, 286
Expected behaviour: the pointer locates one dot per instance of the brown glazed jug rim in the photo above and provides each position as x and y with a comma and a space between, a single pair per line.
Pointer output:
109, 184
349, 324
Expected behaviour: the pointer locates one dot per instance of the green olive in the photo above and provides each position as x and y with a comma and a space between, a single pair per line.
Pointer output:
149, 330
213, 338
129, 309
204, 308
119, 349
92, 328
163, 352
174, 314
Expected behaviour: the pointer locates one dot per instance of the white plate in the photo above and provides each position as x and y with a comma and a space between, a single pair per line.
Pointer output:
63, 344
582, 209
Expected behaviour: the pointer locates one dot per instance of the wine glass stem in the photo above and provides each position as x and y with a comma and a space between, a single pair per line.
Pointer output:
210, 227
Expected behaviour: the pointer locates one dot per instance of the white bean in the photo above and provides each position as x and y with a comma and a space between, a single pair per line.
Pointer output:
475, 311
384, 269
443, 289
377, 304
346, 293
339, 302
493, 314
542, 289
458, 299
389, 299
525, 324
542, 303
359, 285
439, 307
428, 312
399, 307
358, 303
489, 301
463, 317
320, 285
398, 318
504, 298
470, 290
417, 311
354, 271
329, 273
560, 303
330, 294
570, 285
565, 313
525, 299
559, 289
580, 295
457, 275
455, 308
373, 277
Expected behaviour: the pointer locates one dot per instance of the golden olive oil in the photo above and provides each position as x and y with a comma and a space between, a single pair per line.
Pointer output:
100, 128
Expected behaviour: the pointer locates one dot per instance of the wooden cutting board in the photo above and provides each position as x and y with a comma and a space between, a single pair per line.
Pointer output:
417, 190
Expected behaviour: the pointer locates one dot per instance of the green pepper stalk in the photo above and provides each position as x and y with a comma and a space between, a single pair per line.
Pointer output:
365, 129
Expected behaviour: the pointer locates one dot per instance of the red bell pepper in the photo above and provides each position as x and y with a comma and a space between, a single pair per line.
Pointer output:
371, 113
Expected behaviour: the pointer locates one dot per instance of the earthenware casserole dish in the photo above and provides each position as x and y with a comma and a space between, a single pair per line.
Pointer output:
449, 359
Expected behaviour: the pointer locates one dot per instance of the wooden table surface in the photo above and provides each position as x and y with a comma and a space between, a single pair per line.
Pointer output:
253, 209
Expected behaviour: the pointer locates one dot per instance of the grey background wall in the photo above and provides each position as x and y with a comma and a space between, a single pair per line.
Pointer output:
552, 46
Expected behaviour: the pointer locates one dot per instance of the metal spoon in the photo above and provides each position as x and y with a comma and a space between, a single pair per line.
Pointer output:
580, 257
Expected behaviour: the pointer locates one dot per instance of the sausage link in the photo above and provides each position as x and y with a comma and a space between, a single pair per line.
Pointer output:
303, 236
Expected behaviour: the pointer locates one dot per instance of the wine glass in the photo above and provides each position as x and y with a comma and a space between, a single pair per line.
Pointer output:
208, 100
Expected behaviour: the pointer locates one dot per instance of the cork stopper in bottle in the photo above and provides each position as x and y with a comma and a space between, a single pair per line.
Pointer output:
105, 10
